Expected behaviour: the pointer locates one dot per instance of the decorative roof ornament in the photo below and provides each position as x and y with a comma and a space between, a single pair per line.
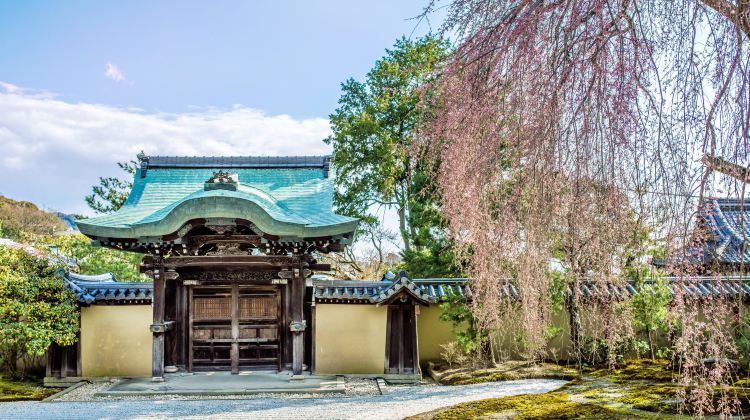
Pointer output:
143, 158
404, 289
222, 181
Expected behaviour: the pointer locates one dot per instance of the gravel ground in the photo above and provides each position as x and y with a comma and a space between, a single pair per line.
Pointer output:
396, 403
352, 387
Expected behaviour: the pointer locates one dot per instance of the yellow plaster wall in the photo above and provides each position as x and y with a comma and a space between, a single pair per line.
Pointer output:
115, 340
350, 338
431, 333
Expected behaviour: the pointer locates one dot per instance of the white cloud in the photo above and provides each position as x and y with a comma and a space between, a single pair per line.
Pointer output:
10, 88
54, 151
114, 73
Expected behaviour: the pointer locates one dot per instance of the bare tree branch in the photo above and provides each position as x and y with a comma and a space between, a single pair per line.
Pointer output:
725, 167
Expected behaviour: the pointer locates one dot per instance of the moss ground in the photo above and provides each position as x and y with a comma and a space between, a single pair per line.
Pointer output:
641, 389
507, 371
552, 405
23, 390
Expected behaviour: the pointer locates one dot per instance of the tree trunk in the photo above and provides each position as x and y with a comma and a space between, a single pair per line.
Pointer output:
572, 302
13, 364
651, 343
738, 14
402, 228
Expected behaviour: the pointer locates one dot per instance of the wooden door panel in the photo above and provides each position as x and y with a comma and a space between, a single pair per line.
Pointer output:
212, 308
401, 338
258, 307
256, 322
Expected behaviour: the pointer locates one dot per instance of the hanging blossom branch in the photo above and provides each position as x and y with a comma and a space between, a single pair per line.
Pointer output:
561, 128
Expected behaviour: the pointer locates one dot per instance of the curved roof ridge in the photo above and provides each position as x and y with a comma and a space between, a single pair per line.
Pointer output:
254, 162
95, 278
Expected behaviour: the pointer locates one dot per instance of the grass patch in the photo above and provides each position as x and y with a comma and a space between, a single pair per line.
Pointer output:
23, 390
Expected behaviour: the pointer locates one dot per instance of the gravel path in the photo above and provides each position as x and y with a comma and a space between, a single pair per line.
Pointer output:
87, 392
397, 402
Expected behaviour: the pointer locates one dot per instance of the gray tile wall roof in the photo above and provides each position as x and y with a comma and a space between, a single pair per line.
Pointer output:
105, 289
355, 291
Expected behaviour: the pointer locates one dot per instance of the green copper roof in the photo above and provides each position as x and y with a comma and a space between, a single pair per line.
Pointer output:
288, 197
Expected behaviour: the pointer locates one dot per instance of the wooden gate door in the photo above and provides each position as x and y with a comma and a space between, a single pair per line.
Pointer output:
401, 340
234, 327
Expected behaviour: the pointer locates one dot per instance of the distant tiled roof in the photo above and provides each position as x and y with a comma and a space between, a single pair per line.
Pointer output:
729, 224
104, 288
284, 196
690, 288
52, 255
436, 290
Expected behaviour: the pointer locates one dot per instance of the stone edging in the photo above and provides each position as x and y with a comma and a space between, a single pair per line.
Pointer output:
57, 395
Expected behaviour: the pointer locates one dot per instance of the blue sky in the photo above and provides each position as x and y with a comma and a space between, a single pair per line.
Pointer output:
284, 57
86, 84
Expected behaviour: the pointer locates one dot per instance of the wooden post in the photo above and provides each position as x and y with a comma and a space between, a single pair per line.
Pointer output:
312, 332
179, 333
64, 363
157, 356
234, 352
190, 329
49, 361
417, 368
298, 305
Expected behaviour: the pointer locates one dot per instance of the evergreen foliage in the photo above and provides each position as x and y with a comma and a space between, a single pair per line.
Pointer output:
35, 309
473, 339
98, 260
112, 192
374, 132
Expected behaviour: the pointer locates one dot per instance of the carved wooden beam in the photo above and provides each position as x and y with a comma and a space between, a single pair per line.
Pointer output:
201, 240
289, 274
280, 261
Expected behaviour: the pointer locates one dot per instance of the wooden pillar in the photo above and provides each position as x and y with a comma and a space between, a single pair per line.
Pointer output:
312, 333
190, 329
298, 306
234, 352
64, 362
49, 361
157, 328
417, 368
182, 325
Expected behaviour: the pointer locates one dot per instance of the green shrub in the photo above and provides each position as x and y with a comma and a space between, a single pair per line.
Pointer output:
35, 309
650, 308
473, 339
